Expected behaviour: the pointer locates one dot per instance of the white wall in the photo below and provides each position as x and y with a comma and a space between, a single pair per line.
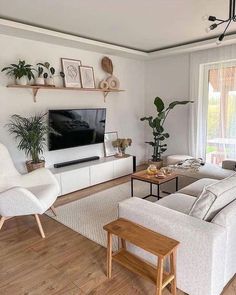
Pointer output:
168, 78
123, 109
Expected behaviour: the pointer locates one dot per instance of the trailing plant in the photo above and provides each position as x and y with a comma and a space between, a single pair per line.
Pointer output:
157, 126
31, 134
46, 65
19, 70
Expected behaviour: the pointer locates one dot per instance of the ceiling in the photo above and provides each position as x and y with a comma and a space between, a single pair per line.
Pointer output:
145, 25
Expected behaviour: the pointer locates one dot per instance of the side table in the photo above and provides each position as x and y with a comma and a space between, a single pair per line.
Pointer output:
153, 242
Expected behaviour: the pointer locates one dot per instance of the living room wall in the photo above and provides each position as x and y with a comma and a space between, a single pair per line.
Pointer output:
123, 109
168, 78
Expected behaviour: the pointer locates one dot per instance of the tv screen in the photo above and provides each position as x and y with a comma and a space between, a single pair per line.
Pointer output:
76, 127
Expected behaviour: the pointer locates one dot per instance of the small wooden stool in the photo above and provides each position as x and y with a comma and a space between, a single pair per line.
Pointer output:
155, 243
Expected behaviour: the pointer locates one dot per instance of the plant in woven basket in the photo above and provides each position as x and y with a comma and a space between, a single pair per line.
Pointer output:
157, 126
122, 144
31, 136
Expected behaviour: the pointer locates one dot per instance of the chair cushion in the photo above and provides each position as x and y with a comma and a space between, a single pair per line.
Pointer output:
214, 198
197, 187
178, 202
47, 194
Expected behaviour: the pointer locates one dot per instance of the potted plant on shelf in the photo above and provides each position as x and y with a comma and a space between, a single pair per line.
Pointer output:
31, 133
22, 72
122, 144
158, 131
40, 79
49, 80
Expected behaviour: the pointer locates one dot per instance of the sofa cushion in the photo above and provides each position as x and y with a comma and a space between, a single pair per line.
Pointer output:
178, 202
214, 198
196, 188
207, 171
226, 215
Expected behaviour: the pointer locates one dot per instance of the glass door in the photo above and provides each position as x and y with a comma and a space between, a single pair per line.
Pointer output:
221, 115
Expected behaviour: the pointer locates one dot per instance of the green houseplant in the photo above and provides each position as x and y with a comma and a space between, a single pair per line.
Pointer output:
157, 126
48, 76
22, 72
31, 135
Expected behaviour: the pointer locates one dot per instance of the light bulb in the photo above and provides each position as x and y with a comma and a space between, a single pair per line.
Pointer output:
205, 17
208, 29
218, 42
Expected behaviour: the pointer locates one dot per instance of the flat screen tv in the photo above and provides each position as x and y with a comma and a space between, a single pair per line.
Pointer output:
76, 127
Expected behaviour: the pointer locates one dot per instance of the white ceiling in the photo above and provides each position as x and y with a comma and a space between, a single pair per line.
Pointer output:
146, 25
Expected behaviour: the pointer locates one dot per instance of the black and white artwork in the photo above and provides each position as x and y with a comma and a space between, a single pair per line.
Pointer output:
71, 69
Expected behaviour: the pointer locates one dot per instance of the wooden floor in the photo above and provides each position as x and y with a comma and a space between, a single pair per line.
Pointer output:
65, 263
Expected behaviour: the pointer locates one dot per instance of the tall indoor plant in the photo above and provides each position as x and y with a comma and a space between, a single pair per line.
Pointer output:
31, 135
157, 126
22, 72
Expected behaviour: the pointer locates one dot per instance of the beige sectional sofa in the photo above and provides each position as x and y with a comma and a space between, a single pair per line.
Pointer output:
206, 258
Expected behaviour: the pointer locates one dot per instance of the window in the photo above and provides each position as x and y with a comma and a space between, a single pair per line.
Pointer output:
221, 114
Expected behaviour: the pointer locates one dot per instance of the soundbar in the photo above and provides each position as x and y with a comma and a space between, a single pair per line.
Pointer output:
64, 164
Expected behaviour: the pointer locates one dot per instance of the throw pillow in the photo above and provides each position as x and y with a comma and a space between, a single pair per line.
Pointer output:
213, 198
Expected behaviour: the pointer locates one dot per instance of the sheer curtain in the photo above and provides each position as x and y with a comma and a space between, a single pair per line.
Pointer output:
213, 115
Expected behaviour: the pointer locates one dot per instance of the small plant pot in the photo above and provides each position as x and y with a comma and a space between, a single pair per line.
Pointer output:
158, 164
49, 82
39, 81
34, 166
22, 81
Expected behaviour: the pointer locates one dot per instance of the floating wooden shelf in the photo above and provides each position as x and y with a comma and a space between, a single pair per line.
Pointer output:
36, 88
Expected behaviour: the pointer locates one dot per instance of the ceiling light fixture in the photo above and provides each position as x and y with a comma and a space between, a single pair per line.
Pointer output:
218, 22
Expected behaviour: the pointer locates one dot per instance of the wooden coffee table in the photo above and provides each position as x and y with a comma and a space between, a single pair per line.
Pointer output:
152, 242
143, 176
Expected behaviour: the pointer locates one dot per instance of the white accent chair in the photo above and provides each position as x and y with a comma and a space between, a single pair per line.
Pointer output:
25, 194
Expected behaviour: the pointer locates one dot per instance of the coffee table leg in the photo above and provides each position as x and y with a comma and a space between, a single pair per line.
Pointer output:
158, 191
150, 189
132, 187
177, 183
109, 254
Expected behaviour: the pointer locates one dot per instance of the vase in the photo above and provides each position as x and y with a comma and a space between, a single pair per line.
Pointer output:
39, 81
22, 81
49, 81
121, 152
33, 166
158, 164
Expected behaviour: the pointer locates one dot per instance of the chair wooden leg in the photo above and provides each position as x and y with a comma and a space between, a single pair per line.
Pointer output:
53, 210
39, 225
2, 220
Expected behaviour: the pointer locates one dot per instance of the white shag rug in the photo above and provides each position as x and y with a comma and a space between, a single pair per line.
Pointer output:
87, 216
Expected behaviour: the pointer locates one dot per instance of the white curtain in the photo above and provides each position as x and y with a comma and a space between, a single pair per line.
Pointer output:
199, 110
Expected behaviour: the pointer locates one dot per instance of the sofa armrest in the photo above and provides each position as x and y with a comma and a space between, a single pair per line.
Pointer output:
229, 164
201, 254
18, 201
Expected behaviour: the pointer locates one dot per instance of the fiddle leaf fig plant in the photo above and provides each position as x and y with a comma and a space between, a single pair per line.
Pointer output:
157, 126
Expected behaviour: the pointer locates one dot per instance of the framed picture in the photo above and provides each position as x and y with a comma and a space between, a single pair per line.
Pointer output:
71, 70
108, 147
87, 77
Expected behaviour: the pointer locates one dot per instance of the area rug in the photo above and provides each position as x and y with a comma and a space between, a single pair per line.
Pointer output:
87, 216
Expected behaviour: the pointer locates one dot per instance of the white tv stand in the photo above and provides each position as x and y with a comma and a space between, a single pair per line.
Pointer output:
79, 176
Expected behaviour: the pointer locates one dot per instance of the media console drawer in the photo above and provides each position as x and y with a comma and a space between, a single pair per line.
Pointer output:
75, 180
101, 173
